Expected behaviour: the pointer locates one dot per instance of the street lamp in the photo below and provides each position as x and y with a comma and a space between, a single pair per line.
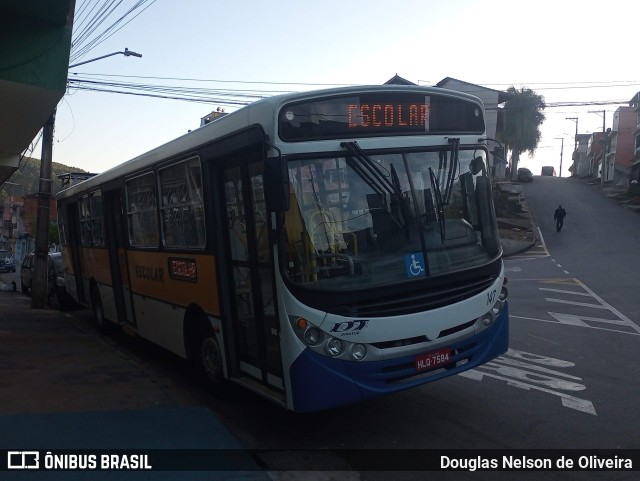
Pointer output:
126, 53
561, 151
39, 281
575, 119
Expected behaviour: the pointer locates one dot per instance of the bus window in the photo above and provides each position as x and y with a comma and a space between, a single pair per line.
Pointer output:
97, 216
142, 213
84, 211
182, 211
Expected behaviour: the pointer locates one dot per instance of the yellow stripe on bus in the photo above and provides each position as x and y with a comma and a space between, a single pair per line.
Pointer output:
162, 275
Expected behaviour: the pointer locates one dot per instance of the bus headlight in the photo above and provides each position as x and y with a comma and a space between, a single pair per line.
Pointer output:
334, 347
323, 343
313, 336
504, 293
358, 352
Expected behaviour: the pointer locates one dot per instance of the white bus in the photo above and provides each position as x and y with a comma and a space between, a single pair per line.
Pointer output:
318, 248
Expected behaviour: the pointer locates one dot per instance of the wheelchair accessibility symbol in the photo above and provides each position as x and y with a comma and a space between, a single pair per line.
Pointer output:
415, 265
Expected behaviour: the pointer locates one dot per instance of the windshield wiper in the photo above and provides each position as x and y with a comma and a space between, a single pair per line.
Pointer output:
370, 171
442, 200
439, 202
455, 151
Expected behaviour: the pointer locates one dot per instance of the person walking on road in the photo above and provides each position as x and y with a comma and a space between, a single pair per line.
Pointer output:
559, 216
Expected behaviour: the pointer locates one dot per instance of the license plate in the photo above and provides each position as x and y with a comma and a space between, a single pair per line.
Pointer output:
433, 359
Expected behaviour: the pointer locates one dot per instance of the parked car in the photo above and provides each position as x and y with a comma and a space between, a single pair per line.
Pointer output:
525, 175
7, 262
57, 296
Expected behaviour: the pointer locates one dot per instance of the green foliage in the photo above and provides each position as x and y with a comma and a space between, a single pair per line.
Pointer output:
523, 117
28, 177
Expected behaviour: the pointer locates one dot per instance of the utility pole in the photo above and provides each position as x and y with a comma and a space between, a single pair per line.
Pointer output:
604, 133
606, 147
561, 152
39, 286
576, 157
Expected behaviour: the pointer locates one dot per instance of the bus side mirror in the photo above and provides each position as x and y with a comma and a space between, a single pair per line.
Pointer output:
276, 185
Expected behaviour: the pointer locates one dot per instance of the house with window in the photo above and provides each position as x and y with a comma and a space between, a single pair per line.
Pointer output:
594, 153
621, 146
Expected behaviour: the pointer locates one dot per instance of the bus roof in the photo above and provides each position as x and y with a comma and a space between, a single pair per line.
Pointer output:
261, 112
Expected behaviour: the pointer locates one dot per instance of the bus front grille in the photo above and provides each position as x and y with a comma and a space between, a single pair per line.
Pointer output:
416, 301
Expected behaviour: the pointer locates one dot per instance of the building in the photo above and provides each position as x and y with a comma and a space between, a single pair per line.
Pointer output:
594, 153
34, 60
634, 103
621, 146
216, 114
18, 216
581, 166
493, 101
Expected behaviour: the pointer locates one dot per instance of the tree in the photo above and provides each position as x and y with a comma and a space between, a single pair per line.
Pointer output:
523, 117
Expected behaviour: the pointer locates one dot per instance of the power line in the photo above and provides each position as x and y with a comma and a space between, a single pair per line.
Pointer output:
256, 82
89, 20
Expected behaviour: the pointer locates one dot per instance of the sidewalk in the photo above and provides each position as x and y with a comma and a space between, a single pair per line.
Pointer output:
62, 386
622, 195
517, 232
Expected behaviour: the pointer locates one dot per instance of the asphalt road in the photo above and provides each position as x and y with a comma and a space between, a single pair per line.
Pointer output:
599, 241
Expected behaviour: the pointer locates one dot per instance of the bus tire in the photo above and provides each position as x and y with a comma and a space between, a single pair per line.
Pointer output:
207, 356
98, 311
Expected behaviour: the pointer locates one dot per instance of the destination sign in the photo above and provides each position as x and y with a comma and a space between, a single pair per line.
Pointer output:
379, 114
183, 269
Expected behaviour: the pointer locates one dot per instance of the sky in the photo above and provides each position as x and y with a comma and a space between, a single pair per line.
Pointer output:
566, 51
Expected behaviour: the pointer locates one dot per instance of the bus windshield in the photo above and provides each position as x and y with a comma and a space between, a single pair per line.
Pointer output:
361, 220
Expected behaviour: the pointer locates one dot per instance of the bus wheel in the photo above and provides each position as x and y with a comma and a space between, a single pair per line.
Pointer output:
210, 359
98, 311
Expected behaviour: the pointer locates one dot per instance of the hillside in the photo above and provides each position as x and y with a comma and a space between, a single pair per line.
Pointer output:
28, 175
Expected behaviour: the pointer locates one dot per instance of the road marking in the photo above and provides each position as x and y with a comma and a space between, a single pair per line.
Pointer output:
544, 245
512, 269
611, 308
516, 367
563, 291
574, 303
558, 321
572, 320
561, 280
576, 320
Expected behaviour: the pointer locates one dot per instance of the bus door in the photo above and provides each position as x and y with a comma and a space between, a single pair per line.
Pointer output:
73, 238
253, 311
115, 232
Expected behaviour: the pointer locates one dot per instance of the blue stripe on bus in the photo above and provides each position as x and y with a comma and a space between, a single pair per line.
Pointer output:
319, 382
